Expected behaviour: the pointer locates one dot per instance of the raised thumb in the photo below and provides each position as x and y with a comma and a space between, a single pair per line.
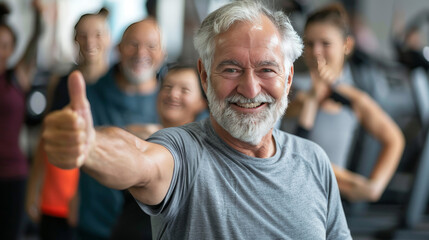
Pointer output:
77, 91
80, 104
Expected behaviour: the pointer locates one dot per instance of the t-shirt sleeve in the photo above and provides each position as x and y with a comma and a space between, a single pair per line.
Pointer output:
182, 146
337, 228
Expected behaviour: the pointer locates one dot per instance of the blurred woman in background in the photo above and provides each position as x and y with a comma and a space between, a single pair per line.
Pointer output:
330, 112
14, 84
51, 193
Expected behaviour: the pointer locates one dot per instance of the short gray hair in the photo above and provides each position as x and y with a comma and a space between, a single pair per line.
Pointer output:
223, 18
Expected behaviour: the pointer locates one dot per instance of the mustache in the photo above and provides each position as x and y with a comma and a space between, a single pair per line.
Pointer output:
144, 60
260, 98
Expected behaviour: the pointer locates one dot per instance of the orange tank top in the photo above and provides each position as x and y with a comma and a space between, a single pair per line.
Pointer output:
58, 189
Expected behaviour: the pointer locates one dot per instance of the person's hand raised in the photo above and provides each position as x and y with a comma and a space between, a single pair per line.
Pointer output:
323, 73
37, 5
323, 77
69, 133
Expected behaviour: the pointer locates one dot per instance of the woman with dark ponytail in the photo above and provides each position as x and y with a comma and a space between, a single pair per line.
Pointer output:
15, 82
330, 112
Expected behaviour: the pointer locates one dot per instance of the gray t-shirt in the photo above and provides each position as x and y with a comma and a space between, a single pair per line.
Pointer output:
219, 193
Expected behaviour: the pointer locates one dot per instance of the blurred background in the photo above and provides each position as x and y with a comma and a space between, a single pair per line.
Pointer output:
382, 29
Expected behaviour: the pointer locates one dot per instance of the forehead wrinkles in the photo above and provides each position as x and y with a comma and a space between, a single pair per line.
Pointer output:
259, 41
262, 32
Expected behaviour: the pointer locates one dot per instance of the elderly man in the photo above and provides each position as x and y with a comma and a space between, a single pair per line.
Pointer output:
232, 176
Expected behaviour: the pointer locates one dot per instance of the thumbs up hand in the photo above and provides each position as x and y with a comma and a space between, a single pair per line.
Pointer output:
69, 133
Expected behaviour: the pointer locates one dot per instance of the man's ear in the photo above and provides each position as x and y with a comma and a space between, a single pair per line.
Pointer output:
203, 75
350, 45
289, 79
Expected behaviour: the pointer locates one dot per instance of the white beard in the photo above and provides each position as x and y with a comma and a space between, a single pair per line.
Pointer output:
249, 128
137, 78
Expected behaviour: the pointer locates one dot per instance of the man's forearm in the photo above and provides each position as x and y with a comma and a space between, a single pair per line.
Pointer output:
116, 159
121, 160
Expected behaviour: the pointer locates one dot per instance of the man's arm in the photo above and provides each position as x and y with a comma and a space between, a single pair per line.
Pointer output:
143, 131
122, 160
111, 155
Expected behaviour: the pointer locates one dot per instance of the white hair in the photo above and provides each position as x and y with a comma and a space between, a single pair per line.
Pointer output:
223, 18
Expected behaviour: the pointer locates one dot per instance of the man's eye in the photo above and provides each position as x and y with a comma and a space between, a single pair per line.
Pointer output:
230, 70
132, 44
267, 73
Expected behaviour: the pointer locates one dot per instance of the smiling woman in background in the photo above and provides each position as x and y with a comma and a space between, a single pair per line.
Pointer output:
333, 108
50, 189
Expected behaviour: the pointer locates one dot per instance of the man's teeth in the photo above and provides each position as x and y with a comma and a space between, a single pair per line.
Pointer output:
248, 105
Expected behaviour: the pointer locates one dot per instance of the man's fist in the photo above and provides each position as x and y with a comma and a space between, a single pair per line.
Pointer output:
68, 134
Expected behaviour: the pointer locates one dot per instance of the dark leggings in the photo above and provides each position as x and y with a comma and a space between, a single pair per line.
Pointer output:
12, 208
133, 223
53, 228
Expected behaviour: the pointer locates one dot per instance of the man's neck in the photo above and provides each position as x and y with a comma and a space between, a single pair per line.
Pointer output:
265, 149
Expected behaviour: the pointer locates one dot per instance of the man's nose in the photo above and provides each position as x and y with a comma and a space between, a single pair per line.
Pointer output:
142, 51
249, 84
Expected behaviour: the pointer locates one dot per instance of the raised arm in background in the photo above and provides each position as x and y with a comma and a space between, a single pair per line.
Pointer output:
26, 67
